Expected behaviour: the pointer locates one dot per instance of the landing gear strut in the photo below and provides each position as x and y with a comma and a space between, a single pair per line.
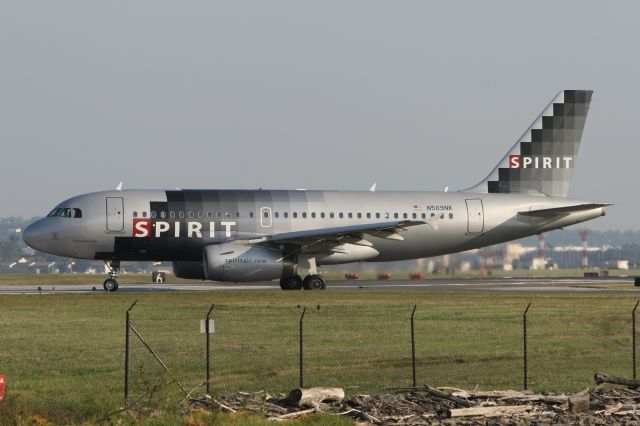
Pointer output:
111, 283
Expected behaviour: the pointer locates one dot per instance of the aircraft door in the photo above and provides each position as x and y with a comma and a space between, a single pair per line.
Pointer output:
115, 214
475, 216
265, 217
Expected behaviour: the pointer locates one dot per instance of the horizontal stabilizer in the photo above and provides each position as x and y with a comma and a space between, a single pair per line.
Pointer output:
563, 210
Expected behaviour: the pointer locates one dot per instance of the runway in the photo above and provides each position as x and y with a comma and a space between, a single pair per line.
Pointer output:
622, 285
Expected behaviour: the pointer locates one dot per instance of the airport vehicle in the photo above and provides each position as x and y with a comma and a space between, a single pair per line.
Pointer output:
257, 235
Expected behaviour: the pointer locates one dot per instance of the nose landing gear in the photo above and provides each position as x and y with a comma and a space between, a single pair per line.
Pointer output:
111, 283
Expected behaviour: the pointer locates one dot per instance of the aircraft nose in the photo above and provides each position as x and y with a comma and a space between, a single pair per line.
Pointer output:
34, 235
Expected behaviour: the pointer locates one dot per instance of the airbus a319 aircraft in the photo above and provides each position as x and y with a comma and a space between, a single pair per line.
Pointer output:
258, 235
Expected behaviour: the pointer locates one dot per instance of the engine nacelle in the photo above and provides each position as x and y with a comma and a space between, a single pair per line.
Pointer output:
239, 262
189, 270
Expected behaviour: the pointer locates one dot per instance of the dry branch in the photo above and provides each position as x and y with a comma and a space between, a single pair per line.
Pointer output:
498, 410
601, 378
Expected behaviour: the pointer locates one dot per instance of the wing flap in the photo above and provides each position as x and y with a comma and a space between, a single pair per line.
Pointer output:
387, 230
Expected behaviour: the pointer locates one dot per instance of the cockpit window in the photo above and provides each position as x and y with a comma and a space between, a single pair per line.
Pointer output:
65, 212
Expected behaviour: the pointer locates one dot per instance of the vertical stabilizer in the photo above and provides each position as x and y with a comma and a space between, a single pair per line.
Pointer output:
542, 161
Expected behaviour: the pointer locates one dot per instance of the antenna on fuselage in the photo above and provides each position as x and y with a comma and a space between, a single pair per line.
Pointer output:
119, 187
373, 187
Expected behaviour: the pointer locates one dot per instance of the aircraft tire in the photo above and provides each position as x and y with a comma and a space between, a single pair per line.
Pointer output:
291, 283
314, 282
110, 285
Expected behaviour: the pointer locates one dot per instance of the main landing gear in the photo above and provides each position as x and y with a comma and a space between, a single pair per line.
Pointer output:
311, 282
111, 283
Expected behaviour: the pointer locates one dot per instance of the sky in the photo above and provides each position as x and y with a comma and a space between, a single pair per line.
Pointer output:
413, 95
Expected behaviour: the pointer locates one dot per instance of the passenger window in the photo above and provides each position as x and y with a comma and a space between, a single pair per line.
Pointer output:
191, 215
377, 215
218, 215
442, 216
404, 215
304, 215
163, 214
172, 214
340, 215
313, 215
433, 214
266, 214
153, 214
386, 215
450, 215
295, 215
237, 214
424, 215
359, 215
322, 215
286, 214
77, 213
181, 214
395, 215
331, 215
250, 214
209, 214
368, 215
135, 214
200, 214
350, 215
276, 215
415, 215
227, 214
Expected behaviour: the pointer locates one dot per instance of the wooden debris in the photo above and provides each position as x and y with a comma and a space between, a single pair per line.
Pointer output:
314, 396
605, 378
579, 403
498, 410
427, 405
293, 415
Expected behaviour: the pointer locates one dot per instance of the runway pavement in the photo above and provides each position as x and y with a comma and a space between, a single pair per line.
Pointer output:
568, 285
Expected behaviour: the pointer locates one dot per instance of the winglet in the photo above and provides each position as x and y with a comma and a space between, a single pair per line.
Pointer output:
373, 187
119, 187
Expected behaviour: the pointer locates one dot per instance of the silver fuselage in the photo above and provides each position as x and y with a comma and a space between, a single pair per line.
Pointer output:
453, 222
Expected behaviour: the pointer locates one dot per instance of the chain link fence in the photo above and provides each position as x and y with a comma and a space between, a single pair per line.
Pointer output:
169, 358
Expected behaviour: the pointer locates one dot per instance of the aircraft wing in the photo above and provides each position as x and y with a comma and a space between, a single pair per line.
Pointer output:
562, 211
341, 234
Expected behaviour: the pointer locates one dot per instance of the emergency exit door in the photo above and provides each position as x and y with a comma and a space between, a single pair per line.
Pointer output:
475, 216
265, 217
115, 214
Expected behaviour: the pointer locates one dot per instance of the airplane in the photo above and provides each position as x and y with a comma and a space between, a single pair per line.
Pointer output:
262, 235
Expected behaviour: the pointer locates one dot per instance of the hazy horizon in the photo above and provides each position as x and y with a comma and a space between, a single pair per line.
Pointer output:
325, 95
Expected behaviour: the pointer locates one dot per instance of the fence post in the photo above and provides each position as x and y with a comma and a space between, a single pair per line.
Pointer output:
633, 337
413, 346
301, 349
206, 329
126, 353
524, 336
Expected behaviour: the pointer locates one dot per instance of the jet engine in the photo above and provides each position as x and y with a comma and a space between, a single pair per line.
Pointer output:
189, 270
239, 262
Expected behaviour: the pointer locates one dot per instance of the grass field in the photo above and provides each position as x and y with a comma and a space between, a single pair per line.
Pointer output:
63, 355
